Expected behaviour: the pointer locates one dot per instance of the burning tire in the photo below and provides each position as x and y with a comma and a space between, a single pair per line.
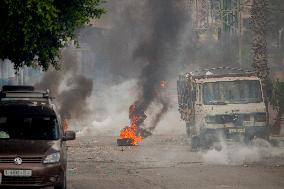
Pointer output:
125, 142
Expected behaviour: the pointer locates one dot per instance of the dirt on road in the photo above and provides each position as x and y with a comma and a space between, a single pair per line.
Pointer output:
168, 162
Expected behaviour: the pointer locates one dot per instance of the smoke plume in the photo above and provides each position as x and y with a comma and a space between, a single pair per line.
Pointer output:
147, 41
73, 100
239, 154
69, 87
143, 40
167, 20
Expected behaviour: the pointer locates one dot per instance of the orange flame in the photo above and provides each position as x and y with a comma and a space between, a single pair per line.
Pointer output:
163, 84
131, 132
65, 125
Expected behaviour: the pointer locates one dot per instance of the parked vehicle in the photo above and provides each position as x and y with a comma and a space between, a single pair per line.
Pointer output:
33, 148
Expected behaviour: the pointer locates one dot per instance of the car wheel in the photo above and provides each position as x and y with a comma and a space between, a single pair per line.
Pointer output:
63, 185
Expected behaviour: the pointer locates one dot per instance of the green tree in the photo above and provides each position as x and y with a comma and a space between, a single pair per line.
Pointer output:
32, 32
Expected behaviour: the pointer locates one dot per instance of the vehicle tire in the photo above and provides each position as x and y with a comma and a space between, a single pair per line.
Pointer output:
195, 143
63, 185
206, 141
187, 127
247, 139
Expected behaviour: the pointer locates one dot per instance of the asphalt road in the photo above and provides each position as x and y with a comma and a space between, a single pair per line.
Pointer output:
167, 162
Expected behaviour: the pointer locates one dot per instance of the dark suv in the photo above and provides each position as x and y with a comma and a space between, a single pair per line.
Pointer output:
32, 140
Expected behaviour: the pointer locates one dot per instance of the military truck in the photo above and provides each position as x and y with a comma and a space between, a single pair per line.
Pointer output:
227, 106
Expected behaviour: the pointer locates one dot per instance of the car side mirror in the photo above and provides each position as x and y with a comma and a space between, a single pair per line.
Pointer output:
69, 135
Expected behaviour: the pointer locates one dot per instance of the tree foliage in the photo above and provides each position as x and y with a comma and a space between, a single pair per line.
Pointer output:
33, 31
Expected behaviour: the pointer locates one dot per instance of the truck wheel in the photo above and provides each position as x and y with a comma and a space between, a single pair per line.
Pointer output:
187, 127
63, 185
195, 142
206, 141
247, 139
187, 130
200, 142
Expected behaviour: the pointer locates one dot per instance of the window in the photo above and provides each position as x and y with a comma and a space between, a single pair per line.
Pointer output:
232, 92
28, 127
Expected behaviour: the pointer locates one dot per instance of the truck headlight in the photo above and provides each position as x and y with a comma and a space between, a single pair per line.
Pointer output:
210, 119
52, 158
260, 117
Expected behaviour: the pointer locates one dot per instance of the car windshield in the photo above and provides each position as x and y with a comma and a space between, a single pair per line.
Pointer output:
232, 92
28, 127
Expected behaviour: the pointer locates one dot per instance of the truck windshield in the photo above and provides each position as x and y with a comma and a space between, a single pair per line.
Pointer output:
28, 127
232, 92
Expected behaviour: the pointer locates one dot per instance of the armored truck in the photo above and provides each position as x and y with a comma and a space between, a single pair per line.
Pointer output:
226, 106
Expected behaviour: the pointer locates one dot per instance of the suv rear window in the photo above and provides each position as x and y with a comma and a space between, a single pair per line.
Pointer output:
27, 127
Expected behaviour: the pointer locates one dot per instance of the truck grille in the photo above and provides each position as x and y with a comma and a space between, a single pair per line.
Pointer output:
233, 118
22, 180
25, 159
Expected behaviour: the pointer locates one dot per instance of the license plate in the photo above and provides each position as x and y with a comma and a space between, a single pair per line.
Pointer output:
234, 130
18, 173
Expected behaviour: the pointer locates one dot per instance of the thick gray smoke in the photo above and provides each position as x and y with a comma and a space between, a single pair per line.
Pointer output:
167, 19
145, 41
70, 87
239, 154
140, 40
73, 100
